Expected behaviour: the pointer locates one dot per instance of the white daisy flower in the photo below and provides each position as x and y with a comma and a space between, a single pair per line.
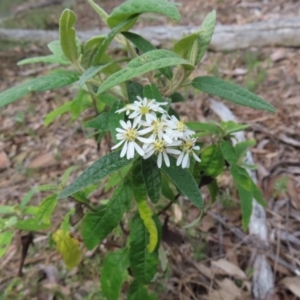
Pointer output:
145, 108
162, 149
180, 130
126, 108
129, 136
188, 147
159, 129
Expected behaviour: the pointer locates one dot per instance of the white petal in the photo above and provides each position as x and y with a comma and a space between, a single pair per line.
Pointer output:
173, 151
167, 139
179, 159
118, 145
166, 158
137, 120
123, 152
134, 114
159, 159
148, 154
185, 160
139, 98
123, 124
130, 150
196, 148
139, 149
196, 157
145, 140
144, 131
120, 130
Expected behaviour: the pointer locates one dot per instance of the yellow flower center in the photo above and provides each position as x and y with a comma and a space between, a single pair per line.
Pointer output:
187, 146
131, 135
155, 125
144, 110
181, 127
159, 146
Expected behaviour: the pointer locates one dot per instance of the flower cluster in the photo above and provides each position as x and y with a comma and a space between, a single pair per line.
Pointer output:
150, 130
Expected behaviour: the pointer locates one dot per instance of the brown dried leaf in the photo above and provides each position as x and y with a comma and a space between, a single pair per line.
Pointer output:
292, 284
4, 161
43, 161
229, 268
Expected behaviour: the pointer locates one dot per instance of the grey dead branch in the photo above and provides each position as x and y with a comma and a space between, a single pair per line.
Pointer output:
283, 33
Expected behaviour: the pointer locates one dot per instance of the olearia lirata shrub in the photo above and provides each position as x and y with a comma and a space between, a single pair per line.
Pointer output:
156, 156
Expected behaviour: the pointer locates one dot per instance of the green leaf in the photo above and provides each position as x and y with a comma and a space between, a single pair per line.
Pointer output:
246, 198
176, 97
89, 50
138, 291
228, 152
96, 226
143, 264
241, 176
257, 195
209, 127
101, 122
50, 59
193, 46
166, 190
149, 61
134, 89
114, 273
98, 170
55, 48
152, 92
133, 7
5, 241
144, 46
213, 190
146, 215
104, 45
46, 208
117, 177
50, 117
68, 35
107, 99
212, 161
31, 225
80, 103
103, 15
114, 119
231, 127
184, 181
138, 183
205, 34
94, 70
152, 179
7, 209
231, 92
241, 148
51, 81
68, 247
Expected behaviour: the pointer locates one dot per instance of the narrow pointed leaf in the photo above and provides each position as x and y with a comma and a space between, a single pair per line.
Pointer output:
98, 170
101, 122
113, 273
134, 89
46, 209
104, 45
143, 264
51, 81
50, 59
230, 92
5, 241
101, 12
149, 61
68, 35
146, 215
152, 178
212, 161
246, 198
97, 225
184, 181
145, 46
133, 7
